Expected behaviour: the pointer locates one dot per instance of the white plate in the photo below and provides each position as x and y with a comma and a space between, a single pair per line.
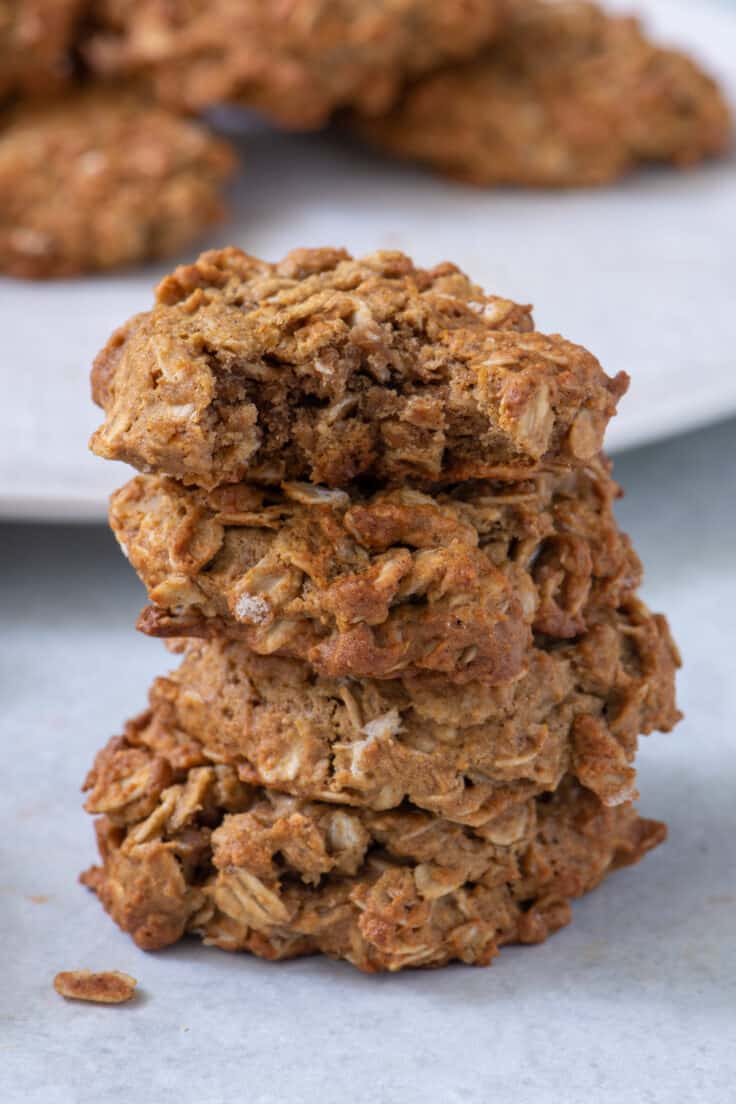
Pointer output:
641, 273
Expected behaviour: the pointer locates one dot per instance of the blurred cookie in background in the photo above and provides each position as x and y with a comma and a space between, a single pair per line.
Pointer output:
101, 179
35, 41
295, 60
568, 96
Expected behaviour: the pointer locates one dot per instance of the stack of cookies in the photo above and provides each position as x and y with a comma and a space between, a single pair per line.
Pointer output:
376, 521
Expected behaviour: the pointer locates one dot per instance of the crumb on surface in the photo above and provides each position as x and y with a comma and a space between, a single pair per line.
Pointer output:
106, 987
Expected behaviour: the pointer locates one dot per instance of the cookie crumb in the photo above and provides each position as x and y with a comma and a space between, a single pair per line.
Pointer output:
108, 987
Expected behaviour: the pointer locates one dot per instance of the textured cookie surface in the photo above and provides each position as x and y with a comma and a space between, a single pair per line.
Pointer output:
327, 368
35, 37
296, 60
568, 96
463, 752
199, 851
103, 179
383, 584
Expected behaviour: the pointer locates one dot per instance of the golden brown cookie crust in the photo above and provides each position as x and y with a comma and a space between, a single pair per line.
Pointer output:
295, 60
327, 368
382, 584
403, 732
103, 179
248, 869
463, 752
568, 96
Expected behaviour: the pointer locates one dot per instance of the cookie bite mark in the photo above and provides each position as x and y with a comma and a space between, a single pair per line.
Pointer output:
329, 369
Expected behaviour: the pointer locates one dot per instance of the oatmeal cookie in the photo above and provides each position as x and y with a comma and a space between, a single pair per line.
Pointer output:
35, 38
295, 60
463, 752
568, 96
382, 584
197, 851
327, 368
103, 179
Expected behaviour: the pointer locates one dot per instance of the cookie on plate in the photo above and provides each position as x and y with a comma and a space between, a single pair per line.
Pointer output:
567, 96
295, 60
102, 179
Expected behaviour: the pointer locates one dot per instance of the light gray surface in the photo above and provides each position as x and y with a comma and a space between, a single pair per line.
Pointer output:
635, 1002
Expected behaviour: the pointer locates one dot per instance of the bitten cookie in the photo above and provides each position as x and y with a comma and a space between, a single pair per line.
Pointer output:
103, 179
568, 96
295, 60
327, 368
